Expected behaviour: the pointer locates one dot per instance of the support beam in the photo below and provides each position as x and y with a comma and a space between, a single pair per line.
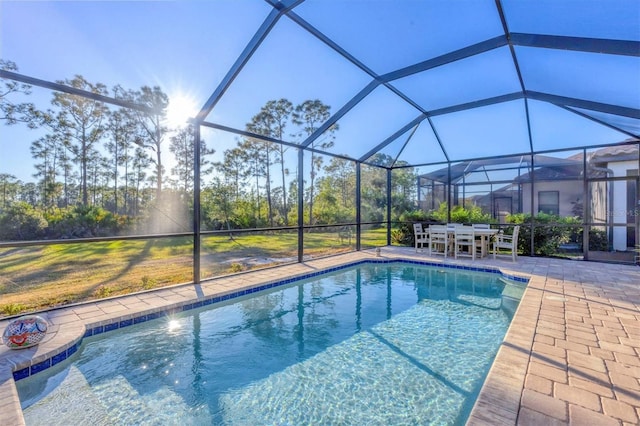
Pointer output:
242, 60
389, 177
73, 91
477, 104
300, 205
437, 135
580, 44
358, 206
394, 136
603, 123
448, 192
586, 209
529, 134
269, 139
505, 29
456, 55
581, 103
338, 115
196, 204
247, 134
532, 241
326, 40
413, 132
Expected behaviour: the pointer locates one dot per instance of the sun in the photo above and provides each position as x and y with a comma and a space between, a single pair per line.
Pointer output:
180, 109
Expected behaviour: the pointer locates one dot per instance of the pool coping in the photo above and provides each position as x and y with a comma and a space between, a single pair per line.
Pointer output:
499, 401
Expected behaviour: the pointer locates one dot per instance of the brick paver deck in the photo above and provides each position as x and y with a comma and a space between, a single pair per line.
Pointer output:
571, 355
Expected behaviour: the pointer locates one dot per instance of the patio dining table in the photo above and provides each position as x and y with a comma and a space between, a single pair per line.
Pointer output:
484, 233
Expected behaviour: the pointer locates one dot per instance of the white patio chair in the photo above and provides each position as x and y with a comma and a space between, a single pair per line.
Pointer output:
421, 237
451, 228
438, 240
464, 242
507, 242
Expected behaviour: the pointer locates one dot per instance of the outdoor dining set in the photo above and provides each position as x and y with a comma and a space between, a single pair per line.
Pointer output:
474, 241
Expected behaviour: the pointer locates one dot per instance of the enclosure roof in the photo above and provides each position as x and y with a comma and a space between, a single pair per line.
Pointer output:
408, 83
523, 76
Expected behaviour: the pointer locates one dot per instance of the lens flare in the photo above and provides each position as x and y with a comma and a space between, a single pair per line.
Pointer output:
180, 109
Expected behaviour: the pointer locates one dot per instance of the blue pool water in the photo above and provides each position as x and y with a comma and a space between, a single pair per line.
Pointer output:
374, 344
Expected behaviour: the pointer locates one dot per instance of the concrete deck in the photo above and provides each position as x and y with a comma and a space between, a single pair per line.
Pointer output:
571, 355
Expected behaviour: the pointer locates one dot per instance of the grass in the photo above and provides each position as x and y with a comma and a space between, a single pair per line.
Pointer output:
40, 277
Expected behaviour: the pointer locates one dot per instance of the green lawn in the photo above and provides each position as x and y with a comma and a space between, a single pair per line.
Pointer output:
38, 277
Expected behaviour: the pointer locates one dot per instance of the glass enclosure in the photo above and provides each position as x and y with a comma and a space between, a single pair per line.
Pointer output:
258, 133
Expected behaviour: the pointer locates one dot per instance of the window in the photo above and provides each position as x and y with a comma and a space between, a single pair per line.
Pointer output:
549, 202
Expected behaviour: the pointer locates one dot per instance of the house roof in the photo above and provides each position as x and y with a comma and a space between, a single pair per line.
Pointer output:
546, 167
615, 153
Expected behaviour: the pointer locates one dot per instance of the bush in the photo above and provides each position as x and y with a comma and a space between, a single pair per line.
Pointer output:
12, 309
551, 231
85, 221
598, 240
21, 221
148, 282
459, 214
103, 292
398, 236
403, 234
236, 267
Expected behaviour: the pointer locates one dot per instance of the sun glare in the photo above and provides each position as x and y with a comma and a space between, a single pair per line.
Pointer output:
174, 325
180, 109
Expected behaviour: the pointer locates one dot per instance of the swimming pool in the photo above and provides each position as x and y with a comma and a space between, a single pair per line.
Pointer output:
373, 344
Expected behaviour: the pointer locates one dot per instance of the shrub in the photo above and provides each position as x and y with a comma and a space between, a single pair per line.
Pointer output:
598, 240
21, 221
397, 236
459, 214
148, 282
85, 221
551, 231
236, 267
403, 234
103, 291
12, 309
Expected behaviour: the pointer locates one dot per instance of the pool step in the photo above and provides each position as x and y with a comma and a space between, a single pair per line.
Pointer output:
75, 404
108, 403
128, 406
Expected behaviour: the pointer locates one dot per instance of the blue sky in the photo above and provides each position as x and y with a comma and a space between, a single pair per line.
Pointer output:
163, 43
186, 47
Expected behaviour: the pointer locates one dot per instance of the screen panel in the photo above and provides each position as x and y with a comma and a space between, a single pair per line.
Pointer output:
391, 35
575, 18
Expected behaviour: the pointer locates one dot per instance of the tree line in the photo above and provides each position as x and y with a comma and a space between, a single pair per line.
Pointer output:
101, 170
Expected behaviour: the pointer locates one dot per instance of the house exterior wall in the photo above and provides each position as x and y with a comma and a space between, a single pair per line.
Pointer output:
569, 192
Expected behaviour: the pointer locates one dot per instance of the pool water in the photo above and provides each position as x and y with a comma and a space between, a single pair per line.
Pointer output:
375, 344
